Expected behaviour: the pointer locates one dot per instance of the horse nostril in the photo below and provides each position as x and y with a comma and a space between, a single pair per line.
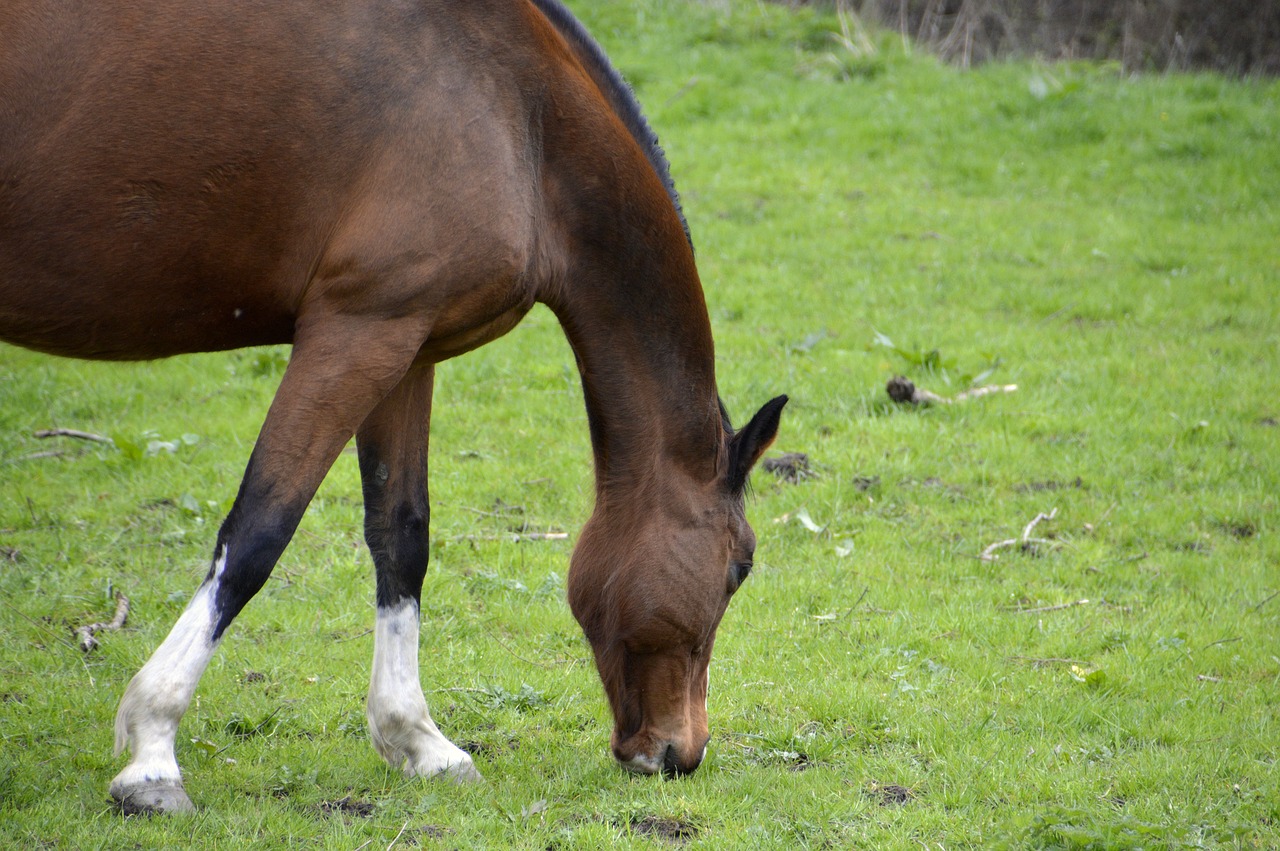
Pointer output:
671, 766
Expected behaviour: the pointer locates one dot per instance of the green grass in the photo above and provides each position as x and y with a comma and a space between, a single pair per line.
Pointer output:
1106, 243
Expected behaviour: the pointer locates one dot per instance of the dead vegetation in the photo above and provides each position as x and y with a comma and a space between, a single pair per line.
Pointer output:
1230, 36
87, 632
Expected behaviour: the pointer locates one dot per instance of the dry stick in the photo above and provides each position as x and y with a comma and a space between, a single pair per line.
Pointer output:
51, 453
1058, 607
902, 390
398, 835
1026, 532
515, 537
1040, 662
71, 432
989, 554
1264, 602
85, 633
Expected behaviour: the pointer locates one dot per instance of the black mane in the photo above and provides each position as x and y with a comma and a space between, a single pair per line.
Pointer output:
619, 94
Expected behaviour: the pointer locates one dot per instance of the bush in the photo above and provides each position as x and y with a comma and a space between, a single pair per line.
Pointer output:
1232, 36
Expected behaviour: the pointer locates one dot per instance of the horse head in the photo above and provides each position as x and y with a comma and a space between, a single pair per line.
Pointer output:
649, 581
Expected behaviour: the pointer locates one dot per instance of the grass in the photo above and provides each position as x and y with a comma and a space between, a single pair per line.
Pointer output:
1107, 243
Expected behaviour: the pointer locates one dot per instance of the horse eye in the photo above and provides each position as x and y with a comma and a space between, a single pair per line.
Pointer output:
738, 574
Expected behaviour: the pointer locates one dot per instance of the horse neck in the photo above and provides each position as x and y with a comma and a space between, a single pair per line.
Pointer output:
636, 318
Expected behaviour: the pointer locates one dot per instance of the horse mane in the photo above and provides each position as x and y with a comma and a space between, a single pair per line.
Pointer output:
617, 92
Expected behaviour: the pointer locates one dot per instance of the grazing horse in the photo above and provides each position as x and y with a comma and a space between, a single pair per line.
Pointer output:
384, 184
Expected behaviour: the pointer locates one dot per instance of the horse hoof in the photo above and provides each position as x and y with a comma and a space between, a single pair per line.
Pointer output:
463, 773
152, 798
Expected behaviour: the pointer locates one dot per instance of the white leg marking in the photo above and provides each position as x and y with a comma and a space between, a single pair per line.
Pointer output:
159, 694
399, 724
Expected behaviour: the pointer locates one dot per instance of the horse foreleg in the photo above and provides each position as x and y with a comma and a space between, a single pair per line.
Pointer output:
393, 469
334, 378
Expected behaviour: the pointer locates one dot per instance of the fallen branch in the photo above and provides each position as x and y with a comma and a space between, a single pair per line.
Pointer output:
75, 433
85, 633
1026, 542
35, 456
904, 392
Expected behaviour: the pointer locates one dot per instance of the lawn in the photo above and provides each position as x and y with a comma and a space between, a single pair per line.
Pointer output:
1107, 243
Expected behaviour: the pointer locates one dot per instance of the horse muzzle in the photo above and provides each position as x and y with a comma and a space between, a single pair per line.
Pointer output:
666, 757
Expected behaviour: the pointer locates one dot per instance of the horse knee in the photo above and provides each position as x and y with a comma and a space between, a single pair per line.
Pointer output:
248, 549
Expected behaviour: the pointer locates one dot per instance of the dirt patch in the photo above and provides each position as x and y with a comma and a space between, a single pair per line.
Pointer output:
1269, 422
489, 749
865, 483
254, 677
418, 835
890, 794
347, 806
932, 482
666, 829
1241, 530
791, 467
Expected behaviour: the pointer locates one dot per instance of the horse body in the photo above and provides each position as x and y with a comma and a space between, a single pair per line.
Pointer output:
383, 185
232, 174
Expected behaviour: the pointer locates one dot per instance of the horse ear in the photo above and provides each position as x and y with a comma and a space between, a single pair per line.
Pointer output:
749, 443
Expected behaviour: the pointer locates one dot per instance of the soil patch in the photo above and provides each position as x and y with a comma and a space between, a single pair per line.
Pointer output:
347, 806
791, 467
418, 835
890, 794
1239, 530
666, 829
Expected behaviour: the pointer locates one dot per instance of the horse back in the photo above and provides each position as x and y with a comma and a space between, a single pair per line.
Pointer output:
177, 178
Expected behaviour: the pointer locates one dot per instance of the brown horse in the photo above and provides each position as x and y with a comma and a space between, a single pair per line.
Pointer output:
384, 185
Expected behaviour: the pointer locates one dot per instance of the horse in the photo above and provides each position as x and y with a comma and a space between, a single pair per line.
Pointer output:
383, 185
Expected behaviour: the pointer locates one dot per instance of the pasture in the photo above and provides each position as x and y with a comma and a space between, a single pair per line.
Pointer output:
1108, 244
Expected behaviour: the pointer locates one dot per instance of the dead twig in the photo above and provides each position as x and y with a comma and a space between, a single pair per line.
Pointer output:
515, 537
398, 835
35, 456
1264, 602
75, 433
1026, 542
1055, 608
85, 633
1042, 662
903, 391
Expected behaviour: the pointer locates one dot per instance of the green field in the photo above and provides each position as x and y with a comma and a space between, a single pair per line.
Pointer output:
1109, 244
